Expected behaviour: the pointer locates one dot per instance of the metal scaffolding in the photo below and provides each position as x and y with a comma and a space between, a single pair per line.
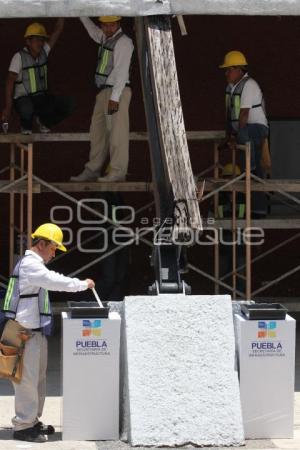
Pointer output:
24, 183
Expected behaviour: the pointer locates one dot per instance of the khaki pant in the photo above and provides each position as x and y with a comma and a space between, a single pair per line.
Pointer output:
115, 141
30, 393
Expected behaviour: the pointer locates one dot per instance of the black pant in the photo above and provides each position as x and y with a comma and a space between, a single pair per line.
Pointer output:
50, 109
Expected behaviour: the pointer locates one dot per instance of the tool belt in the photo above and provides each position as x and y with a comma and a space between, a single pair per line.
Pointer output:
12, 345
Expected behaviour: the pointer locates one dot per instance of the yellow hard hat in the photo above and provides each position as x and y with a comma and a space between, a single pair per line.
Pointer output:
51, 232
109, 19
228, 170
36, 29
234, 58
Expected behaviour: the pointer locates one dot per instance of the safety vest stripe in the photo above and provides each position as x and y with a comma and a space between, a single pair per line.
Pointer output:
32, 80
241, 210
107, 56
104, 61
46, 302
9, 292
237, 106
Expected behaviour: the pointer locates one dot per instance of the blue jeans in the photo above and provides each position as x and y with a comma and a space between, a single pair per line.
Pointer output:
255, 134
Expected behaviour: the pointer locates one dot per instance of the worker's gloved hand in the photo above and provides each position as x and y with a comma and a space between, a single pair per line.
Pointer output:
90, 283
112, 107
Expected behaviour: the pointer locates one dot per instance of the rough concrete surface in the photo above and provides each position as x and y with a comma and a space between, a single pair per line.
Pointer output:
182, 386
75, 8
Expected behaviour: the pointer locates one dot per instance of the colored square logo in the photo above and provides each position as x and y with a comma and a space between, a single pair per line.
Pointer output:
266, 329
262, 334
91, 328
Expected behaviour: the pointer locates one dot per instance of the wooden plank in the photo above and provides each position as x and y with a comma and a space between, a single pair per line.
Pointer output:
160, 182
80, 187
267, 223
269, 185
141, 186
19, 187
173, 137
85, 137
102, 187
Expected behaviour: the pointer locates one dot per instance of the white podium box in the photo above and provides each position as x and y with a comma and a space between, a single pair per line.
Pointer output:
90, 378
266, 353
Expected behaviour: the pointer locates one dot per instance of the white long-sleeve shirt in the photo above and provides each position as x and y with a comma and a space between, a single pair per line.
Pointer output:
119, 76
33, 275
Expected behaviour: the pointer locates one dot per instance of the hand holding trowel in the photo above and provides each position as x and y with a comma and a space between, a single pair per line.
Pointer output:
97, 298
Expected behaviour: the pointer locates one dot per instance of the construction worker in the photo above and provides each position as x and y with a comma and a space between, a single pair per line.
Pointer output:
109, 128
27, 302
27, 83
246, 118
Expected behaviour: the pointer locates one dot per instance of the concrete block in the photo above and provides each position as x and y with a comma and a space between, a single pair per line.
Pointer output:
182, 387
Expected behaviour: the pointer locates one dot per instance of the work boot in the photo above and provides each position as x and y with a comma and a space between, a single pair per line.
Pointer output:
26, 131
86, 175
42, 127
29, 435
112, 177
44, 429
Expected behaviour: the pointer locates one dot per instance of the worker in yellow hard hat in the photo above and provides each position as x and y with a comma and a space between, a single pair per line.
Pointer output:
109, 131
27, 302
246, 119
27, 82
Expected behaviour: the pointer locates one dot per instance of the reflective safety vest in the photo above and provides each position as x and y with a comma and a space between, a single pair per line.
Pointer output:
226, 210
105, 63
34, 75
233, 103
12, 298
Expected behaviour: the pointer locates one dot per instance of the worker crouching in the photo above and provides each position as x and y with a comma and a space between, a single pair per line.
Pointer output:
246, 119
27, 82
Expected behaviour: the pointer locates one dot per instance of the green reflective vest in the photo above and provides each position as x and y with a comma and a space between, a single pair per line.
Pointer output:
105, 62
226, 211
233, 103
34, 75
12, 298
